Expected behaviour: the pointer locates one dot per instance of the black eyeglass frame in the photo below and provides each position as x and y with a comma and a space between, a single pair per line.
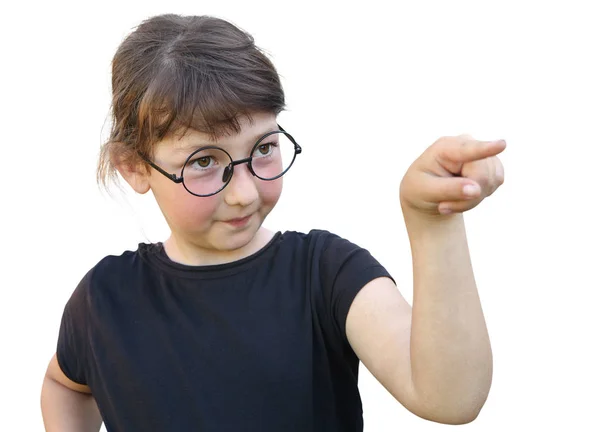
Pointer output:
228, 173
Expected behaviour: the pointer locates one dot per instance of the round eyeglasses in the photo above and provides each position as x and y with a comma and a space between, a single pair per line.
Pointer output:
208, 170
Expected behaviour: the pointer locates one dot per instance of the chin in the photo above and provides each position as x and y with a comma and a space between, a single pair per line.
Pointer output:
231, 240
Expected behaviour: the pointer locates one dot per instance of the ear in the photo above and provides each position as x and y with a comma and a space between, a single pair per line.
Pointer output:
134, 173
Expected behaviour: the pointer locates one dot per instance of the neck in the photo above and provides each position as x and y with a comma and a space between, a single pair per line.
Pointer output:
183, 252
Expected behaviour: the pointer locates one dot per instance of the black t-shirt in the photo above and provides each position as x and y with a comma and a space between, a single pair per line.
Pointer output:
258, 344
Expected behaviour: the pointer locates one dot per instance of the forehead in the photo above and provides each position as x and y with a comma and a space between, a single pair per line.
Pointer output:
251, 129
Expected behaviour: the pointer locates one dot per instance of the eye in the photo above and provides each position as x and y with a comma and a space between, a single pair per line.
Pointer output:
265, 149
202, 162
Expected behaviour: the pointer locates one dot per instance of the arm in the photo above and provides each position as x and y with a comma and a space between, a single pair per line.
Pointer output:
66, 405
450, 348
435, 359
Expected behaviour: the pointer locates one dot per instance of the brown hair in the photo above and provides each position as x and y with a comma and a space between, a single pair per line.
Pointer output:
178, 72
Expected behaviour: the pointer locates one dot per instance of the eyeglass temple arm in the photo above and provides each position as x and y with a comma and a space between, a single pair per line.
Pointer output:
172, 177
296, 145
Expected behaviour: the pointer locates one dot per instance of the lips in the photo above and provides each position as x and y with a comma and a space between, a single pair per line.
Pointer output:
238, 222
242, 219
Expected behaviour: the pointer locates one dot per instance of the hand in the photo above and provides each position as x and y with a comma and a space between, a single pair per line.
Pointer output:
452, 176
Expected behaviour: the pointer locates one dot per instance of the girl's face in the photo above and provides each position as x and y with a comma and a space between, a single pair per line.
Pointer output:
204, 229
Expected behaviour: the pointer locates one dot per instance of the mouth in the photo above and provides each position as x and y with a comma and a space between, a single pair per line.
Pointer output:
239, 222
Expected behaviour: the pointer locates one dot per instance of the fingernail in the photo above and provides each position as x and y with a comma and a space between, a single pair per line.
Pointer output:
445, 210
470, 190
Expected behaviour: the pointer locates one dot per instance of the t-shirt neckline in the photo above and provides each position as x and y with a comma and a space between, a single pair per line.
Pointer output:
156, 255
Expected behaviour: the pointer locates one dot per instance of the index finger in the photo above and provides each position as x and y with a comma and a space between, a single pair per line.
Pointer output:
467, 149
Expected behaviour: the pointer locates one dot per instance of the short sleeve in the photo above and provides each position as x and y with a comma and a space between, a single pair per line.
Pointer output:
72, 346
345, 269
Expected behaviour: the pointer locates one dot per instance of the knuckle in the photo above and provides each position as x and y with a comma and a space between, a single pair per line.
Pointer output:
500, 179
440, 142
465, 137
484, 181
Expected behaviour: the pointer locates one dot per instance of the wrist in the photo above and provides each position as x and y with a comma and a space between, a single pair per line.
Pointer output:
414, 215
427, 228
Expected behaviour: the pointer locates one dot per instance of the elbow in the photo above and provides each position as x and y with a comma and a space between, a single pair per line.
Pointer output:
454, 405
453, 418
451, 412
459, 419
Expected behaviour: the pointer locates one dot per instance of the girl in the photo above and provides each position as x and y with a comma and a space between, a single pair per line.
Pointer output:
226, 326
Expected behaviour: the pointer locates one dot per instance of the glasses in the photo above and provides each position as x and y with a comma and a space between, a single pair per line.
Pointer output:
208, 170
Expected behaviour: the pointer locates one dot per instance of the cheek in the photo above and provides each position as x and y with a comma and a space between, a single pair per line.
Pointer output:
270, 192
187, 211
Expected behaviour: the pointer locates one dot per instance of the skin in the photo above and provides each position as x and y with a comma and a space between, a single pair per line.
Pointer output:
434, 358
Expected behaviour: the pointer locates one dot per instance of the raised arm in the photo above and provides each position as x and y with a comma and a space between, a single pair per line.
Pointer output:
435, 358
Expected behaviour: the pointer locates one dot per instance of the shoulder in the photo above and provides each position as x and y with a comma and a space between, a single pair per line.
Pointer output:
327, 251
318, 238
333, 246
113, 271
112, 266
322, 244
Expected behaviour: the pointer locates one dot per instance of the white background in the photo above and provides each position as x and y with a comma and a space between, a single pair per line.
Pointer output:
369, 86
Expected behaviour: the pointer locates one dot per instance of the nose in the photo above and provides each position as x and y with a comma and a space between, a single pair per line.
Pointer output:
241, 190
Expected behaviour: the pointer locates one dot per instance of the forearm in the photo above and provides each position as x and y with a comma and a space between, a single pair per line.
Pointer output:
67, 410
451, 359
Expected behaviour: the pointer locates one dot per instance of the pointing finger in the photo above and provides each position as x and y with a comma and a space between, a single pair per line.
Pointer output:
463, 149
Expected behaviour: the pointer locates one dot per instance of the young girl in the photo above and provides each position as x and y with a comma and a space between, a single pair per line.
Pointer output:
226, 326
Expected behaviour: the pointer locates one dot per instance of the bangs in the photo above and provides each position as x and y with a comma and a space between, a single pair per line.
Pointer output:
184, 96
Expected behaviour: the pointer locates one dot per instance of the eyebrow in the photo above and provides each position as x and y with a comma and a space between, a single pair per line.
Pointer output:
189, 148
